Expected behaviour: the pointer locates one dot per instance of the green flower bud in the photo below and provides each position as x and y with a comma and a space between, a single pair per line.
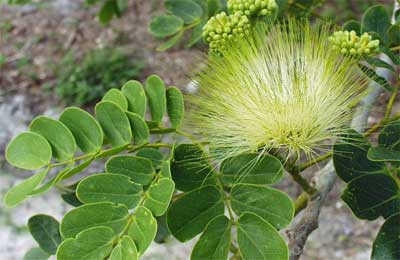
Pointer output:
222, 27
252, 7
349, 43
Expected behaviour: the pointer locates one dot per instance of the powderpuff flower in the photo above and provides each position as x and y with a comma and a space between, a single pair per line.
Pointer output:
283, 87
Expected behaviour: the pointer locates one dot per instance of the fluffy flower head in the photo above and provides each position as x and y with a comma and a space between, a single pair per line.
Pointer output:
282, 87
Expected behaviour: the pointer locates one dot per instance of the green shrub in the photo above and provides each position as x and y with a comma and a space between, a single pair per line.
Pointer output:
85, 81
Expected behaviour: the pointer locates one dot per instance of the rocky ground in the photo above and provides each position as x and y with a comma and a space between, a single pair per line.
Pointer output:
44, 34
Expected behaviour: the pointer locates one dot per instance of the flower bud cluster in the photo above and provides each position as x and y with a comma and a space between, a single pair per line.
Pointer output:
252, 7
356, 46
222, 27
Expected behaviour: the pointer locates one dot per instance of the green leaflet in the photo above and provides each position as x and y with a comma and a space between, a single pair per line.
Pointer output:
141, 133
252, 168
140, 170
22, 190
376, 19
189, 168
188, 10
175, 106
85, 129
159, 195
92, 215
259, 240
57, 134
155, 91
273, 205
125, 250
91, 244
215, 241
134, 93
116, 96
154, 155
386, 245
36, 253
114, 123
28, 151
165, 25
350, 157
372, 195
189, 215
143, 229
109, 188
45, 230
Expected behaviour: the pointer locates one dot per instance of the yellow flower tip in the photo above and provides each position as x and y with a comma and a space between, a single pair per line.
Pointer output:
281, 87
